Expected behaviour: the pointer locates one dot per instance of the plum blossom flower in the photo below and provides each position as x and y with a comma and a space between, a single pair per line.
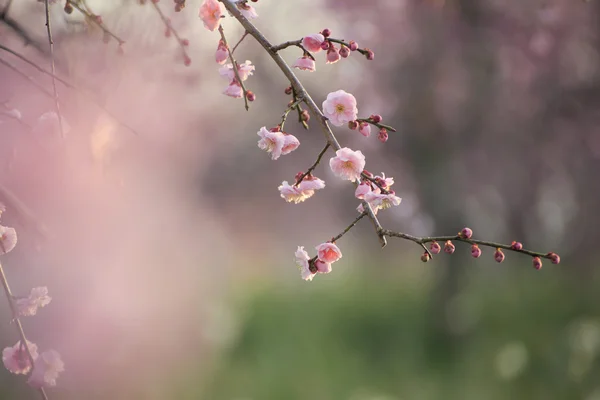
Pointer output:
234, 90
305, 63
28, 306
8, 239
311, 182
16, 360
348, 164
290, 143
244, 71
302, 261
382, 201
328, 252
313, 42
46, 369
361, 190
322, 266
340, 107
276, 142
304, 190
247, 10
333, 55
221, 54
210, 13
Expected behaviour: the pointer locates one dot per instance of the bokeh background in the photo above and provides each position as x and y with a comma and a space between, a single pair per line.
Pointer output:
169, 254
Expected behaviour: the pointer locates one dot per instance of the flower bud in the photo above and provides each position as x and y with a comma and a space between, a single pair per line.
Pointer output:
305, 116
425, 257
344, 51
353, 125
185, 42
449, 247
187, 60
250, 95
516, 245
68, 8
370, 55
325, 45
367, 173
554, 258
466, 233
383, 135
299, 175
475, 251
333, 55
537, 263
288, 90
499, 256
376, 118
435, 247
353, 45
326, 32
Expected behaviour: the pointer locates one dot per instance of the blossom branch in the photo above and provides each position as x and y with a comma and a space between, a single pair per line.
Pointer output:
239, 42
235, 67
53, 66
96, 20
347, 229
12, 24
183, 43
297, 85
285, 45
293, 105
312, 167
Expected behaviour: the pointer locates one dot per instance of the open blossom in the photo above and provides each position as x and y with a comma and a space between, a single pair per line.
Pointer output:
302, 259
305, 63
304, 190
361, 190
234, 90
8, 239
348, 164
221, 54
210, 13
276, 142
313, 42
244, 71
328, 252
15, 358
382, 201
340, 108
46, 369
290, 143
38, 297
247, 10
322, 266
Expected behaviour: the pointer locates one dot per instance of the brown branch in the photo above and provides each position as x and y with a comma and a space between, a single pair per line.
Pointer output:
239, 42
297, 85
342, 233
51, 43
285, 45
312, 167
169, 27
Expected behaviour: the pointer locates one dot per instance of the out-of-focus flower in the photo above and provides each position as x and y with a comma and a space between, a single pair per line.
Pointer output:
361, 190
244, 71
221, 54
247, 10
340, 107
210, 13
46, 369
333, 55
8, 239
28, 306
348, 164
15, 358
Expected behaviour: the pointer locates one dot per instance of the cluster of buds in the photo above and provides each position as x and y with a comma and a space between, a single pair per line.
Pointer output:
23, 358
363, 125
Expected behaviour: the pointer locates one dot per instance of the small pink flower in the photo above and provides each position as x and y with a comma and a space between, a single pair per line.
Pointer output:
234, 90
244, 71
340, 108
221, 55
247, 10
311, 182
8, 239
347, 164
323, 267
328, 252
305, 63
290, 143
361, 190
16, 360
28, 306
272, 142
210, 13
46, 369
304, 190
313, 42
333, 55
382, 201
364, 129
302, 259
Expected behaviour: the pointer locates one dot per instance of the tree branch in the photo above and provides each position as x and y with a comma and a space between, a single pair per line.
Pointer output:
51, 43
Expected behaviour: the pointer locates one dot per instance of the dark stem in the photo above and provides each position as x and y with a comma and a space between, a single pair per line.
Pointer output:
312, 167
51, 43
335, 238
239, 42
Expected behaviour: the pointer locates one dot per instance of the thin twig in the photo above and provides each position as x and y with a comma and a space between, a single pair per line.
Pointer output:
94, 19
239, 42
285, 45
51, 43
12, 24
377, 124
297, 85
169, 27
27, 78
292, 106
312, 167
342, 233
235, 67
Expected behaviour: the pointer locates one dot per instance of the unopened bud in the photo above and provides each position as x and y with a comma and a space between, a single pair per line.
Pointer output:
344, 51
375, 118
353, 45
475, 251
516, 246
383, 135
325, 45
554, 258
305, 116
250, 95
353, 125
466, 233
326, 32
499, 256
288, 90
299, 175
367, 173
435, 247
537, 263
185, 42
187, 60
68, 8
449, 247
425, 257
370, 55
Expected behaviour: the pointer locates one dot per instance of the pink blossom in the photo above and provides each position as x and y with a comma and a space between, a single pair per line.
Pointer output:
8, 239
348, 164
313, 42
333, 55
382, 201
290, 143
302, 259
328, 252
361, 190
15, 358
305, 63
364, 129
38, 297
244, 71
311, 182
271, 142
221, 54
234, 90
385, 182
323, 267
247, 10
304, 190
210, 13
340, 108
46, 369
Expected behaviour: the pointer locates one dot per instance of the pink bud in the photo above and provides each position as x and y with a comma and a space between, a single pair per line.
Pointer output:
305, 116
435, 247
554, 258
250, 95
475, 251
325, 45
466, 233
367, 173
370, 55
313, 42
288, 90
383, 135
344, 51
185, 42
516, 246
499, 256
353, 125
353, 45
537, 263
449, 247
187, 60
326, 32
333, 55
375, 118
425, 257
364, 129
221, 54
